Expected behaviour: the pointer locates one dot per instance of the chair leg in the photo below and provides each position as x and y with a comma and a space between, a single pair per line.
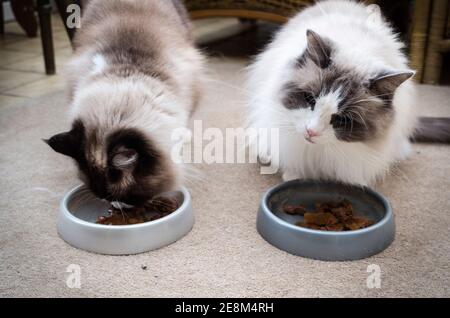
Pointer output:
419, 36
44, 11
2, 19
24, 13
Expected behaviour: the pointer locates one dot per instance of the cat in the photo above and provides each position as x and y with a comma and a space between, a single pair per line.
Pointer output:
336, 83
135, 77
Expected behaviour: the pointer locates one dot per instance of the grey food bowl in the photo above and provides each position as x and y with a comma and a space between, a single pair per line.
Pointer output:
80, 209
279, 229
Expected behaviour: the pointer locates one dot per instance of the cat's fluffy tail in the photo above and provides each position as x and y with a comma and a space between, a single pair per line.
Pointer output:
432, 130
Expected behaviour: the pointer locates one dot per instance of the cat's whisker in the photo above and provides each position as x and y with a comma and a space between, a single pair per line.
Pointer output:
359, 116
350, 117
122, 212
161, 203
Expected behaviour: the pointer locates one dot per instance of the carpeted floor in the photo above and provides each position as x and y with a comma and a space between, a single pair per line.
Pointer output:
223, 256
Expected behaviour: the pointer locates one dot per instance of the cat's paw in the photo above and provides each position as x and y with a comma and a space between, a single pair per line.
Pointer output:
264, 160
264, 156
289, 175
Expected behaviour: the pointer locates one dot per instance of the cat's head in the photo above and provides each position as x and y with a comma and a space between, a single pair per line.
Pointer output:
121, 139
330, 102
123, 165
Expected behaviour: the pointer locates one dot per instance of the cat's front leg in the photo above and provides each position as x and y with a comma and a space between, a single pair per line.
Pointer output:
264, 159
264, 153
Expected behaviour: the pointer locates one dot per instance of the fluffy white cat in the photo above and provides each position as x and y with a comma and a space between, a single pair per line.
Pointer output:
336, 84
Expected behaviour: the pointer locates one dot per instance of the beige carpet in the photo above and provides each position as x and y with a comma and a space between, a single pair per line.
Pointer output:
223, 256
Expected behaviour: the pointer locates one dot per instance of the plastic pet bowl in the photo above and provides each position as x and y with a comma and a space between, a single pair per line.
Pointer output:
79, 210
279, 229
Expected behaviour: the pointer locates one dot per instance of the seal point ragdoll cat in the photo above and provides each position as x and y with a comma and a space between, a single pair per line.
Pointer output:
135, 77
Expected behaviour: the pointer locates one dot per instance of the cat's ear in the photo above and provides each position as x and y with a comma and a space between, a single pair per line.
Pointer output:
124, 158
388, 82
319, 49
64, 143
67, 143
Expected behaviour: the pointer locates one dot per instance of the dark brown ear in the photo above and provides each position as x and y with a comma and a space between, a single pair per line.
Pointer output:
319, 49
68, 143
387, 83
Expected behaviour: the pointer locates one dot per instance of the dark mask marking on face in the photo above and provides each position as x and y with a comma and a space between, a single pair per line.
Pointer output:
296, 98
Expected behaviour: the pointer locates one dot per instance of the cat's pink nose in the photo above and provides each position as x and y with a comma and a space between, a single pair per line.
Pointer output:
312, 133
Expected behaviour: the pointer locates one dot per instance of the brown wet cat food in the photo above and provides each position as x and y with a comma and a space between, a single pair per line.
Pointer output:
331, 216
156, 209
294, 209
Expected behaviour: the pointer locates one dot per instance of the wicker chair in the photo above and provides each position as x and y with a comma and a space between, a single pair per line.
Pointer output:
269, 10
438, 41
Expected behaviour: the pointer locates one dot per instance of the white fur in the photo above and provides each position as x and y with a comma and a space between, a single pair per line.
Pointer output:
99, 63
363, 43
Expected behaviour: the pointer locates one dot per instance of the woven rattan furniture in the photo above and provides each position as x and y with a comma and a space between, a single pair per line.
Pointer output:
427, 39
419, 36
438, 41
269, 10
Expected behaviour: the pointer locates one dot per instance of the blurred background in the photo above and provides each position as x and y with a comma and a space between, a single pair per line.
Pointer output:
35, 43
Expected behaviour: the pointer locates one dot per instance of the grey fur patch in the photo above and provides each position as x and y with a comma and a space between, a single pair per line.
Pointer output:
295, 98
319, 49
385, 84
129, 35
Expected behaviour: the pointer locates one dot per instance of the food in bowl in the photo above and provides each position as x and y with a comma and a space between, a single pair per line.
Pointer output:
329, 216
156, 209
294, 209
